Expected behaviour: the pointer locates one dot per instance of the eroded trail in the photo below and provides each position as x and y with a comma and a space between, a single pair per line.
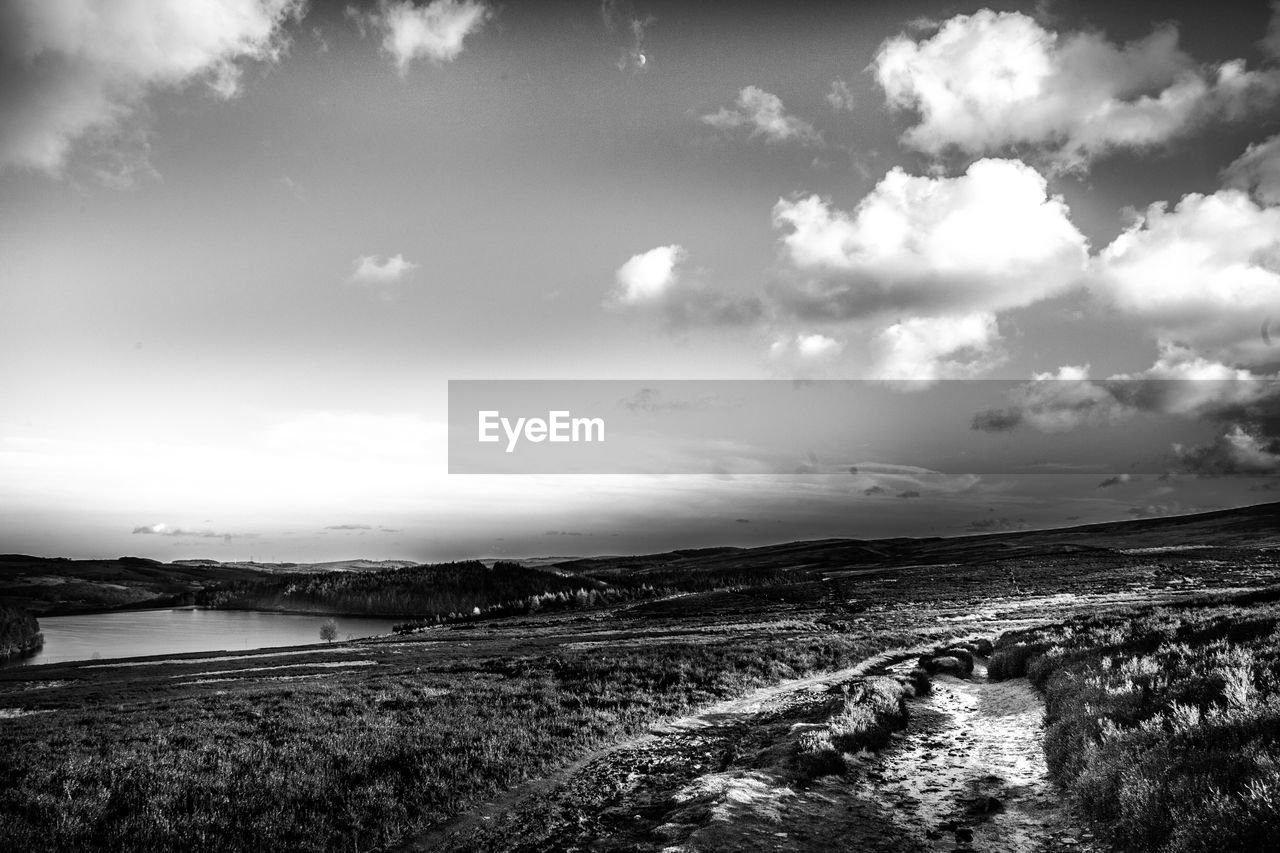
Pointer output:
969, 770
967, 773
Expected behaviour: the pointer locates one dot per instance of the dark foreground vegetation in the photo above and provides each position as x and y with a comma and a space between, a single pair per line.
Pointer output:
19, 633
353, 761
1163, 723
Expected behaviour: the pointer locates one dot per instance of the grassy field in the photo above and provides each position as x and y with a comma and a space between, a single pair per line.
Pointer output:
359, 746
1163, 723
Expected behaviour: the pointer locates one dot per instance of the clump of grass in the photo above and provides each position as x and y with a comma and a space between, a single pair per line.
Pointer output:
1010, 661
816, 754
876, 708
918, 680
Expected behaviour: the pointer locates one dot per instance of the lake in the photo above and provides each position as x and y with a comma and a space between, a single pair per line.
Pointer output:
185, 629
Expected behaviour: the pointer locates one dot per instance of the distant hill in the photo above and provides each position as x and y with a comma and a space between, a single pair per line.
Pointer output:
46, 586
53, 585
1254, 527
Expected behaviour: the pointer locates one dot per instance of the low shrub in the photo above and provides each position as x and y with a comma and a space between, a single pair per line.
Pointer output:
1163, 724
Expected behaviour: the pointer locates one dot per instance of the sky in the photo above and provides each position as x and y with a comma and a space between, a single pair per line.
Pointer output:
245, 245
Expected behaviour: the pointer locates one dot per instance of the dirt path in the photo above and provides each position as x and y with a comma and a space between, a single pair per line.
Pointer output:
968, 773
971, 762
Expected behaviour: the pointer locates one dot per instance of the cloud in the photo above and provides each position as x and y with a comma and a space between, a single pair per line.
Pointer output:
370, 270
79, 71
162, 529
929, 348
1242, 407
653, 400
840, 96
994, 525
909, 493
991, 81
621, 15
1271, 41
1114, 481
806, 348
435, 32
1055, 403
646, 277
659, 281
1257, 171
764, 114
986, 241
1202, 274
349, 527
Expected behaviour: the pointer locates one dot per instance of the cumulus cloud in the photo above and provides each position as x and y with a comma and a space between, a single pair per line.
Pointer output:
435, 32
986, 241
991, 81
1118, 479
75, 70
659, 281
372, 270
929, 348
1202, 273
1257, 171
646, 277
765, 117
840, 96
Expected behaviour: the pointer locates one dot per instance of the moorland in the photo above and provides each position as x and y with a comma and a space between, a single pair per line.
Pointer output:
1102, 687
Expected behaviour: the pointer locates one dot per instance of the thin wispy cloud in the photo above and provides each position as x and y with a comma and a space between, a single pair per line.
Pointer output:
375, 270
840, 96
620, 16
763, 116
161, 529
435, 31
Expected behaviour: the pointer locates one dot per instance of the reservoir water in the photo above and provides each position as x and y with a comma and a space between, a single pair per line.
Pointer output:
186, 629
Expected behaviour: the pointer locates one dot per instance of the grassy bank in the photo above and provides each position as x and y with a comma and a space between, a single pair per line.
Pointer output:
1163, 724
